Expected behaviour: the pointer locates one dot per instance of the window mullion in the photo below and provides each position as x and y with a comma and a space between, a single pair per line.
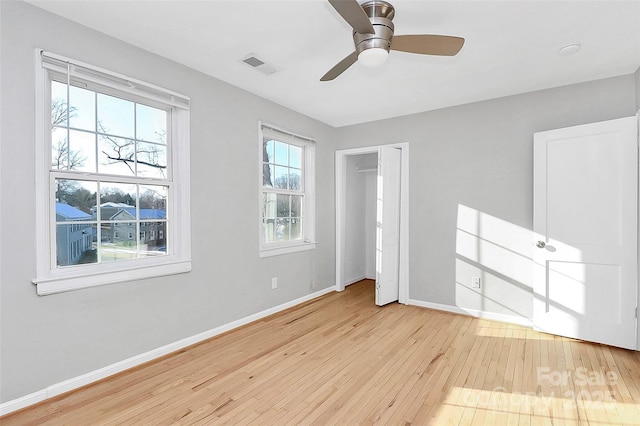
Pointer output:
98, 224
135, 139
96, 137
138, 219
52, 223
68, 115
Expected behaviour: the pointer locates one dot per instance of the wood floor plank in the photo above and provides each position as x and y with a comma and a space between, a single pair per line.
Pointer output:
340, 359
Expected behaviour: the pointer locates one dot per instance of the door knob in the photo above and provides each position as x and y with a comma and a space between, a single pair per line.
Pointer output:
540, 244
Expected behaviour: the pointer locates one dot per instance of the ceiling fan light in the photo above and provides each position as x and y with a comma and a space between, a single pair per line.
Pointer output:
373, 57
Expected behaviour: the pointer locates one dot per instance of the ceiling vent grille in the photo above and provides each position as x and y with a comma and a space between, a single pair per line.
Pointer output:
258, 64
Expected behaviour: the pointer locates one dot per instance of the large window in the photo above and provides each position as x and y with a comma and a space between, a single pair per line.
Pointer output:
287, 193
113, 162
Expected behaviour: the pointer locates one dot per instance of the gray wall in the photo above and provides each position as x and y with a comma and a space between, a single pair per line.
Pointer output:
478, 157
637, 75
46, 340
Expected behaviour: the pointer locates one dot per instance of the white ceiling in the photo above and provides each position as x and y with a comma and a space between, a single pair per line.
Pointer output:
511, 47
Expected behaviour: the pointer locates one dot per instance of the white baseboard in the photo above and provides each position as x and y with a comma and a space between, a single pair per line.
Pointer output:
354, 280
511, 319
101, 373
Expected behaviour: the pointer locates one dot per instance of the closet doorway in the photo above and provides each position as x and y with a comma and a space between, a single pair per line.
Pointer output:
372, 219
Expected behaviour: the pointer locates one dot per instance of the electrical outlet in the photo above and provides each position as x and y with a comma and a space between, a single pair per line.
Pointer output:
475, 282
274, 283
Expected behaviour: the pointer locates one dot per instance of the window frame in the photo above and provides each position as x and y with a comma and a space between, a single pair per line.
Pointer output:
53, 279
307, 242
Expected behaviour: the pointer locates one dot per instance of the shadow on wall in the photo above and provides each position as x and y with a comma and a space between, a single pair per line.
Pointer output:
500, 255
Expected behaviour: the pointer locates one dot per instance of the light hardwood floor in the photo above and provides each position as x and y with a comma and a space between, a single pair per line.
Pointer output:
340, 359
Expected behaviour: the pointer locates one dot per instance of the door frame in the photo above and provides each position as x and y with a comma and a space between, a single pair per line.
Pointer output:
341, 202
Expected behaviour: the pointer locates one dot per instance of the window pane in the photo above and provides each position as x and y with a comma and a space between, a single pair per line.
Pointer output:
295, 228
153, 243
117, 201
115, 116
152, 160
79, 155
281, 153
151, 124
152, 210
296, 205
75, 199
153, 202
75, 244
59, 148
267, 150
282, 229
118, 242
82, 151
295, 180
115, 232
59, 111
116, 156
269, 206
267, 173
283, 205
269, 230
82, 109
295, 156
281, 177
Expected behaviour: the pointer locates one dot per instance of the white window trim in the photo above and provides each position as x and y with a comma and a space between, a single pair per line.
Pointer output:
51, 279
309, 218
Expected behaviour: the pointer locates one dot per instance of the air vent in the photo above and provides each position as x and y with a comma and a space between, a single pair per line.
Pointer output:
258, 64
253, 61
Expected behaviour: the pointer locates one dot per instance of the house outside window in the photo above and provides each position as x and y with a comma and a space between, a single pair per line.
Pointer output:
287, 191
113, 160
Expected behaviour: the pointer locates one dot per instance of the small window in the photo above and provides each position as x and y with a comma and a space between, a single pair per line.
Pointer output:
287, 191
113, 154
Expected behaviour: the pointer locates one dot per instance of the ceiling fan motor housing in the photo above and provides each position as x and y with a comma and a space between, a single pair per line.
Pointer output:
380, 14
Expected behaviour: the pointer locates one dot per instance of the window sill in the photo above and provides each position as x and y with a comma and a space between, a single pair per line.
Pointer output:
51, 285
267, 251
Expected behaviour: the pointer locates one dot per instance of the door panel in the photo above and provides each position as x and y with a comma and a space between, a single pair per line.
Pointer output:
586, 179
585, 214
388, 225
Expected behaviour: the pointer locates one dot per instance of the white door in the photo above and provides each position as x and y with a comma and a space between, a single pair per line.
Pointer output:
388, 225
585, 216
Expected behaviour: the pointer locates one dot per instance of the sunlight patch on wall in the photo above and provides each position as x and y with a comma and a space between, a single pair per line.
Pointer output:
501, 255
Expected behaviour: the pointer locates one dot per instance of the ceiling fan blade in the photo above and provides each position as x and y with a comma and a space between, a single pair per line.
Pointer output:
355, 16
427, 44
340, 67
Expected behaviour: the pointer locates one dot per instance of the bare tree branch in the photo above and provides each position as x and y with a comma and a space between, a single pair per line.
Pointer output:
64, 158
129, 160
124, 151
60, 113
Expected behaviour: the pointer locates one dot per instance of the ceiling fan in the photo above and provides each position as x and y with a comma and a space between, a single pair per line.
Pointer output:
373, 36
